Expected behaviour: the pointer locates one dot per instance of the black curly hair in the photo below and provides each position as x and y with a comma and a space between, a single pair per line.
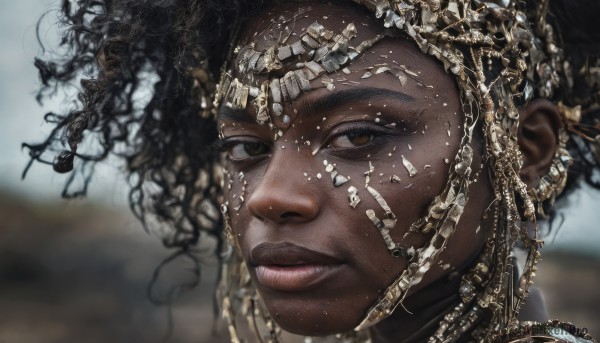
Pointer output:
175, 49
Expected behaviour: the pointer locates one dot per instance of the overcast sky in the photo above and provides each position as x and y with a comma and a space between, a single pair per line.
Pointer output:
21, 116
21, 120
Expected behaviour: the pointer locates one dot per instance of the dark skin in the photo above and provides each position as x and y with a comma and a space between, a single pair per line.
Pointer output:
379, 123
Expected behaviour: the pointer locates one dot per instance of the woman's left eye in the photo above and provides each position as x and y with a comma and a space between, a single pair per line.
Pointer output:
352, 139
356, 135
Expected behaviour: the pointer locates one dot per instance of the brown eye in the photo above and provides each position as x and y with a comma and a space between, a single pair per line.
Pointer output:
254, 149
352, 140
242, 150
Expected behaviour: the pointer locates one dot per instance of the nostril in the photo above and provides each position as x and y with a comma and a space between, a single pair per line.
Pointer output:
287, 215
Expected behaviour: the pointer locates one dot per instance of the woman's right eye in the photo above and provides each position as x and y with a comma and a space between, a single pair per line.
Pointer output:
240, 150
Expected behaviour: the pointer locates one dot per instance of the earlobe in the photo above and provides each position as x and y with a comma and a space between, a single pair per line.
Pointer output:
539, 122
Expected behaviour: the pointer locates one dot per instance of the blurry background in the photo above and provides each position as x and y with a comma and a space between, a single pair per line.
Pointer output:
78, 271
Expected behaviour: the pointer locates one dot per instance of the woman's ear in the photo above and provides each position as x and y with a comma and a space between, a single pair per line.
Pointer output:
539, 122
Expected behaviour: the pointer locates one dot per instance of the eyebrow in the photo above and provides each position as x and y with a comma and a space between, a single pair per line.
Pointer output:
347, 96
324, 103
235, 114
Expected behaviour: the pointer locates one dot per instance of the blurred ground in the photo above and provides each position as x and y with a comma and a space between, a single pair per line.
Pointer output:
71, 272
75, 273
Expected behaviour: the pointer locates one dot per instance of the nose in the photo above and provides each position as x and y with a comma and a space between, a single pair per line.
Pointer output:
282, 196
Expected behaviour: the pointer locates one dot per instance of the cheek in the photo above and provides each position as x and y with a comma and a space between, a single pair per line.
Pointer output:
236, 191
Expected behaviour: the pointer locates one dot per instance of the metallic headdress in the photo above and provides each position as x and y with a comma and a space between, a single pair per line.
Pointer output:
502, 54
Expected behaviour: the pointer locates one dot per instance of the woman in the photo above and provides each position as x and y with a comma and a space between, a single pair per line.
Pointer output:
381, 158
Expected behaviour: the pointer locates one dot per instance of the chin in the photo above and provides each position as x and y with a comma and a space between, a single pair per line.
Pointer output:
310, 317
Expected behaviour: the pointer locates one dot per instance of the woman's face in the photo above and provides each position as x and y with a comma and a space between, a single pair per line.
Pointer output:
317, 260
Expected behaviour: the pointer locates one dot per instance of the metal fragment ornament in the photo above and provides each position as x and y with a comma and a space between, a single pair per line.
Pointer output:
353, 198
385, 225
412, 171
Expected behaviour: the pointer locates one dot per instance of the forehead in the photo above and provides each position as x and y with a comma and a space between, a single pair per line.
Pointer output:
271, 25
393, 62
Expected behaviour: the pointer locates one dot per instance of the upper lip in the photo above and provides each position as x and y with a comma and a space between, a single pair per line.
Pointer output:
288, 254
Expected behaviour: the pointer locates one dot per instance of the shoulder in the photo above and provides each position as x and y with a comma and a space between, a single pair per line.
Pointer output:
550, 331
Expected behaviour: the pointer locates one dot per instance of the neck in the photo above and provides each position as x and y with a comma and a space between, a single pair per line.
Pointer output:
428, 307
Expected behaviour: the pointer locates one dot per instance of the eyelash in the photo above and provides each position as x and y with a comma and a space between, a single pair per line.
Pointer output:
225, 145
381, 135
356, 128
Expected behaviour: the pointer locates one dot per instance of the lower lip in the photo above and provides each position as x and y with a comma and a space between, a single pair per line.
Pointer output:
293, 278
